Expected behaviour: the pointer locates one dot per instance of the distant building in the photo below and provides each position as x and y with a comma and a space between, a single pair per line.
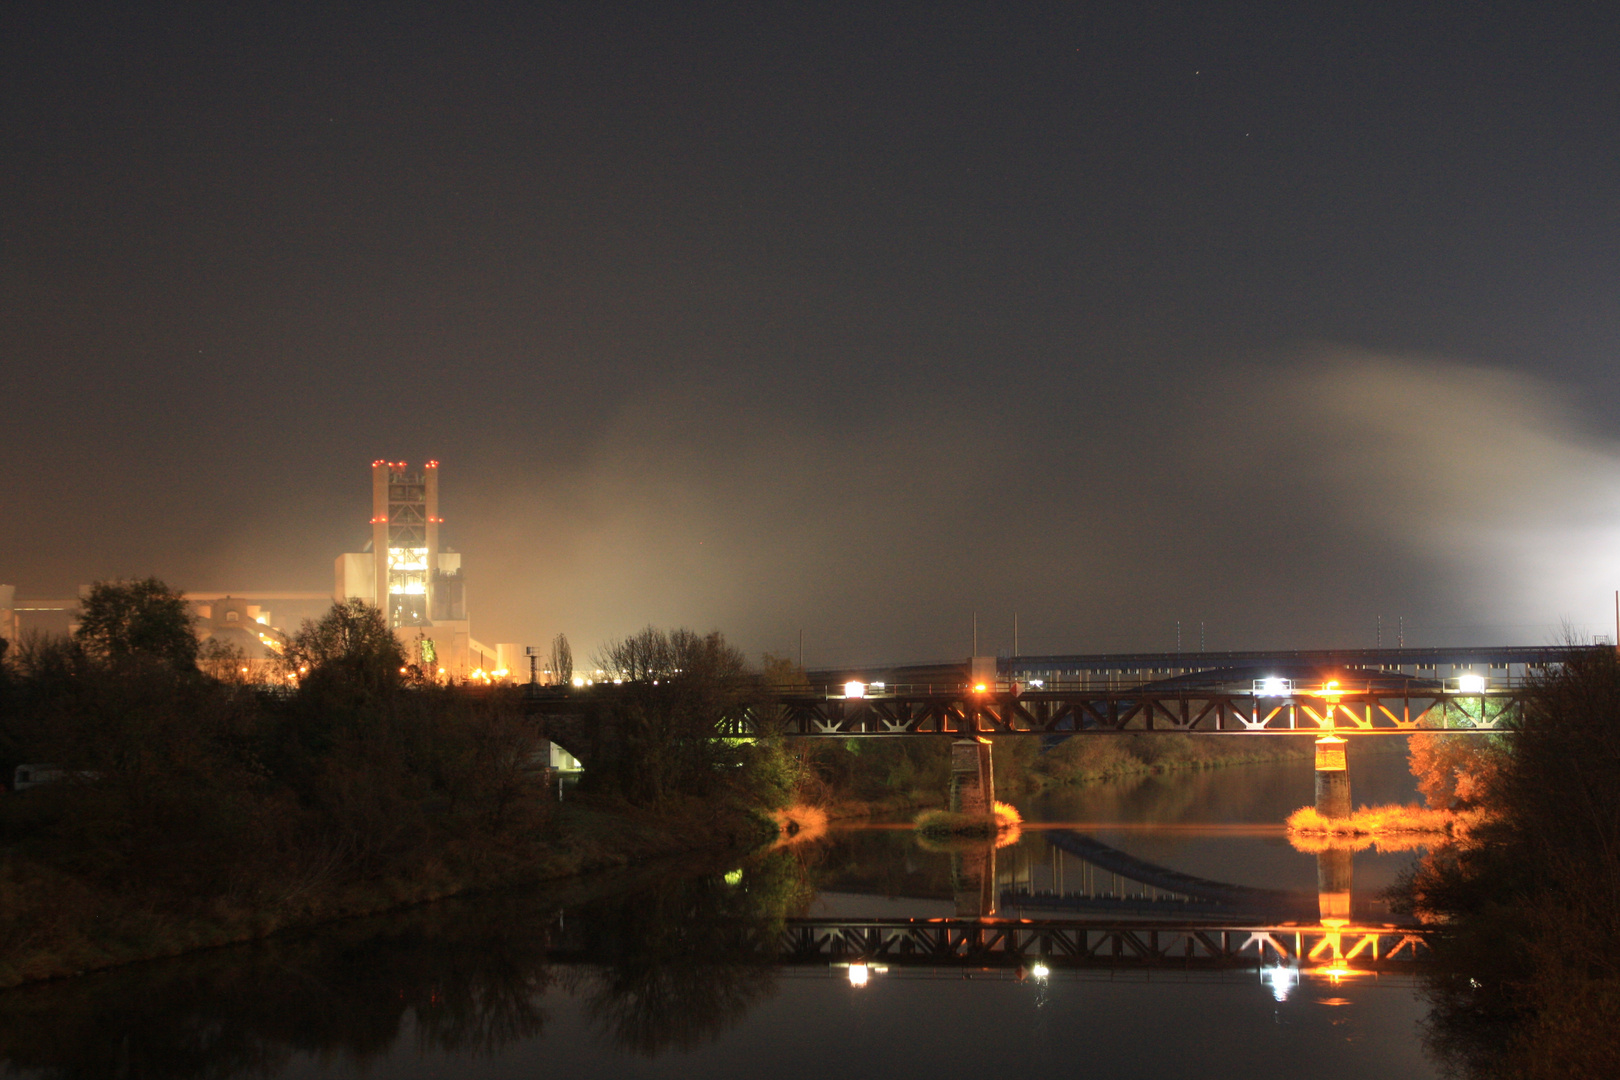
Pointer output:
416, 582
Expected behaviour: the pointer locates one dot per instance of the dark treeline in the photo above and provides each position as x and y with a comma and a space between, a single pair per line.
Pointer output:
190, 808
1528, 983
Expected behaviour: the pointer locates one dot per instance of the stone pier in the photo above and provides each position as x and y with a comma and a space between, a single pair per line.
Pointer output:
1333, 883
973, 786
973, 879
1332, 778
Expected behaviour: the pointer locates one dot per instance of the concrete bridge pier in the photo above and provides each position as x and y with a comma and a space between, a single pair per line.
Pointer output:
973, 880
973, 785
1332, 778
1333, 878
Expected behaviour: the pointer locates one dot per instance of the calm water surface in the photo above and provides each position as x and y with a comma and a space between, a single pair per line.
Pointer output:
677, 972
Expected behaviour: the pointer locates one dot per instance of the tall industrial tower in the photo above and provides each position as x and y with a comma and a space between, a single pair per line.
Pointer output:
415, 581
405, 525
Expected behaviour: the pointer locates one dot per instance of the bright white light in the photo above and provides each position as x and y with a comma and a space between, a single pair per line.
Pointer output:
1471, 684
407, 558
1040, 971
1273, 686
1037, 684
579, 680
858, 974
1280, 979
855, 689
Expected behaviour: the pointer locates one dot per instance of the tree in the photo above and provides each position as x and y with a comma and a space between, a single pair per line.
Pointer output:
562, 660
677, 688
125, 620
352, 643
783, 674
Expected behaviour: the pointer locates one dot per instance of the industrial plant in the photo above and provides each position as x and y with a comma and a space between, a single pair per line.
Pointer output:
403, 569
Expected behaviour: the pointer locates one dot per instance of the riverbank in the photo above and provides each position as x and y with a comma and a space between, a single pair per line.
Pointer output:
55, 924
1526, 980
1022, 769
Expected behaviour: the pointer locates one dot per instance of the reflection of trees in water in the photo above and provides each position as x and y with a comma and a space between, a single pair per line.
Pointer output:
883, 861
468, 980
669, 1003
669, 967
685, 962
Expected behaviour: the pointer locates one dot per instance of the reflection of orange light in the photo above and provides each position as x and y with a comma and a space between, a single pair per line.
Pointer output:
1337, 972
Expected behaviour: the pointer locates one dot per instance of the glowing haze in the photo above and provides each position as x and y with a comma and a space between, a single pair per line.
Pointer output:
852, 319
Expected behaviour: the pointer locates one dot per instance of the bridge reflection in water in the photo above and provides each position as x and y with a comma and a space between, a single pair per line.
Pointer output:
1122, 913
1334, 952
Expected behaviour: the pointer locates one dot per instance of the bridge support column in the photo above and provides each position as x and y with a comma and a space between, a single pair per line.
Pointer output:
1333, 876
1332, 778
973, 786
973, 880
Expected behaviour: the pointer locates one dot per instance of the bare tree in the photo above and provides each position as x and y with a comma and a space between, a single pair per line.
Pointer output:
562, 659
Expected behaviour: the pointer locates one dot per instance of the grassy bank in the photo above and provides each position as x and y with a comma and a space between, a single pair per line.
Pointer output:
1022, 768
856, 777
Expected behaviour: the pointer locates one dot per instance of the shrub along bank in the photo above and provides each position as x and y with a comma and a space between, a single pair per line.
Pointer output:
193, 811
1527, 982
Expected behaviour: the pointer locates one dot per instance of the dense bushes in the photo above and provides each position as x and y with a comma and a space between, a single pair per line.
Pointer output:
192, 809
656, 726
193, 806
1529, 983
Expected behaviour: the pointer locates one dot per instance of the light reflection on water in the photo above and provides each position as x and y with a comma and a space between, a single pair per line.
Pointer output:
665, 976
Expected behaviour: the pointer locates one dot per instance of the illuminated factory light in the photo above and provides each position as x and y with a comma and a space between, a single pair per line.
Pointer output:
1471, 684
858, 974
1273, 686
400, 558
854, 689
1040, 971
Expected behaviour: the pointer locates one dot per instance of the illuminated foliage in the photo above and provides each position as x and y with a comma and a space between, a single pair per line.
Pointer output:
1455, 771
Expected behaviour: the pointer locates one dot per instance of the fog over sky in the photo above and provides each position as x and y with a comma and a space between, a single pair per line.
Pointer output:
854, 319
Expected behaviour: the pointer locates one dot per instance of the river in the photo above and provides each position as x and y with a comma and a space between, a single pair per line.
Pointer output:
683, 971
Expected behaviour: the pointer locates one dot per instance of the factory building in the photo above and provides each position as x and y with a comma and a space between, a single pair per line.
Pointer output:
406, 572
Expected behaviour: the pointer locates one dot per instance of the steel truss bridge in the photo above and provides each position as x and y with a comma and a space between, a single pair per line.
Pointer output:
965, 714
1060, 944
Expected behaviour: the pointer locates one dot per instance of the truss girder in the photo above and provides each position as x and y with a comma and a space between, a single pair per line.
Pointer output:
989, 944
1068, 712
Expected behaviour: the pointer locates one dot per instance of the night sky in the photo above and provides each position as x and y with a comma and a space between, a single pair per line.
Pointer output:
855, 319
